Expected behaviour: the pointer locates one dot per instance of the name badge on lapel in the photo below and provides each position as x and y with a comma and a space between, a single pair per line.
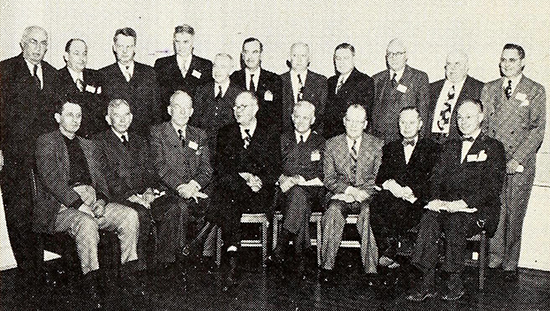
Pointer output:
480, 157
193, 145
401, 88
90, 89
268, 96
315, 156
196, 74
521, 96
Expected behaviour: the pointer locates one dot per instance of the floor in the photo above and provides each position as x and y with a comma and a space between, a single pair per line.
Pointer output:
261, 288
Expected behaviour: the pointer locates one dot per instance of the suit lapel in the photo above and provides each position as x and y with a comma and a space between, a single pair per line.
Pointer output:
172, 137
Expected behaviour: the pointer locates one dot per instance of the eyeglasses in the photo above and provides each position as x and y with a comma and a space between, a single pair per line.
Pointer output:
240, 107
394, 54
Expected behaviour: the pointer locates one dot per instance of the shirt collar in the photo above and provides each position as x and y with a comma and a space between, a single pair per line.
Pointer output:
177, 128
515, 80
305, 135
256, 72
31, 66
475, 134
224, 85
399, 73
186, 62
344, 77
251, 127
303, 76
76, 75
123, 67
357, 144
119, 135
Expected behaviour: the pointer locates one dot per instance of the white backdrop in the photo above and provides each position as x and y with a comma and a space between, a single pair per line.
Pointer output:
431, 28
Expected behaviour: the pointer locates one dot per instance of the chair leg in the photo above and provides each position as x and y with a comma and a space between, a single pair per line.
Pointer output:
264, 241
482, 258
275, 231
319, 241
219, 244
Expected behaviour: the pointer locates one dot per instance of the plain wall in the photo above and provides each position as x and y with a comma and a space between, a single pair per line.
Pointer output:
430, 28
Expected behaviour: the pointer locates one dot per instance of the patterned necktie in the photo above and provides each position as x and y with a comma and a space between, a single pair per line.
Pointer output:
353, 151
182, 137
393, 80
124, 140
340, 83
80, 84
247, 138
445, 113
219, 95
300, 94
35, 77
128, 74
469, 139
251, 86
408, 142
508, 90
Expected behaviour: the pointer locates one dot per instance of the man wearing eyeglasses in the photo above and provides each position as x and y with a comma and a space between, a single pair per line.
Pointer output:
397, 87
248, 164
28, 93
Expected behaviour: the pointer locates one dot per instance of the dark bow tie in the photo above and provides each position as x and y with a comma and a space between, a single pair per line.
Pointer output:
408, 142
470, 139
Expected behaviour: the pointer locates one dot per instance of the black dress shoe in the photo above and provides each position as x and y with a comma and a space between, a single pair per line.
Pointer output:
511, 276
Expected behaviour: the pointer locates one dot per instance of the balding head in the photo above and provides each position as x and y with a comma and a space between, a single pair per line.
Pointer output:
299, 57
456, 66
34, 44
396, 54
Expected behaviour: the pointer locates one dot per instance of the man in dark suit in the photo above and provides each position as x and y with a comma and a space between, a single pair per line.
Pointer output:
349, 86
213, 102
265, 84
247, 165
300, 83
516, 113
134, 183
445, 93
27, 98
350, 166
132, 81
72, 196
181, 158
397, 87
464, 194
300, 181
183, 70
403, 176
84, 86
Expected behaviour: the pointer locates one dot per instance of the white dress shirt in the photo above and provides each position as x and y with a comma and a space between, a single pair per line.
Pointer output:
515, 81
224, 85
127, 70
256, 78
408, 149
304, 135
38, 72
357, 143
296, 83
466, 145
184, 64
120, 135
398, 75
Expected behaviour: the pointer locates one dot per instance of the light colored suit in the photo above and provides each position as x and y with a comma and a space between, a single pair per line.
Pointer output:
518, 123
338, 171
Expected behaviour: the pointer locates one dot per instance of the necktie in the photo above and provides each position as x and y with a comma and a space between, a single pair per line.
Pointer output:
469, 139
35, 77
80, 84
251, 86
301, 139
340, 83
408, 142
247, 138
508, 90
128, 74
393, 80
445, 113
219, 95
353, 153
124, 140
181, 136
353, 150
183, 70
300, 94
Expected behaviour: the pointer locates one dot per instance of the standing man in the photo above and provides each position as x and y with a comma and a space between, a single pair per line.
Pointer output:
516, 109
84, 86
300, 181
403, 176
300, 83
213, 102
184, 70
181, 158
27, 98
132, 81
349, 86
464, 195
445, 93
394, 88
265, 84
350, 167
247, 163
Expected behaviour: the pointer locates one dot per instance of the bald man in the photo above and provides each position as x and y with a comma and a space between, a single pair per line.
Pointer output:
397, 87
28, 93
445, 93
300, 83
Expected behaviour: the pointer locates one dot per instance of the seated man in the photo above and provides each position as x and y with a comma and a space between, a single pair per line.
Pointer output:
300, 181
464, 194
135, 184
181, 159
403, 175
73, 197
350, 166
247, 163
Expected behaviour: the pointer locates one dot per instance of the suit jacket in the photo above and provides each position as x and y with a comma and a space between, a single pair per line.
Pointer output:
470, 90
270, 111
517, 122
305, 159
358, 89
142, 93
94, 105
389, 100
315, 91
131, 167
338, 167
261, 158
178, 162
52, 177
414, 174
170, 78
24, 105
477, 180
